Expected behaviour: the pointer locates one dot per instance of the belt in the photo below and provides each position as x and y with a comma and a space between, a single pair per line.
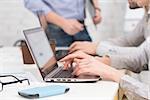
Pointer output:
58, 28
82, 22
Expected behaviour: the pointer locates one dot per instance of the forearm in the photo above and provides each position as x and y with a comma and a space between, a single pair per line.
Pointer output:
54, 18
95, 4
116, 75
134, 61
120, 45
108, 48
109, 73
114, 46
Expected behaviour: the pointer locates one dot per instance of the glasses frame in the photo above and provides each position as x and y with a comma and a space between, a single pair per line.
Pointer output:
16, 81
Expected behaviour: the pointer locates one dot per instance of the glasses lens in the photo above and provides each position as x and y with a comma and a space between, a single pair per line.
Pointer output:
5, 80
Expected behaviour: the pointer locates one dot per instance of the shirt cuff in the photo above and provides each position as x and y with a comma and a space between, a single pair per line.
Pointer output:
104, 48
134, 87
46, 10
36, 6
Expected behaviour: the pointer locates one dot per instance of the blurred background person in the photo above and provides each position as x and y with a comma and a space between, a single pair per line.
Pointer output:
21, 18
65, 18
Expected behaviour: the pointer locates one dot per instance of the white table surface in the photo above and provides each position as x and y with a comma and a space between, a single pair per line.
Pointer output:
98, 91
102, 90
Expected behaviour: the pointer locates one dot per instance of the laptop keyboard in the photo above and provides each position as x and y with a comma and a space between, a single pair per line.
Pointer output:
64, 74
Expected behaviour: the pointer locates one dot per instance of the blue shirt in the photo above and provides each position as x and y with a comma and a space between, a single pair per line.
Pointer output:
70, 9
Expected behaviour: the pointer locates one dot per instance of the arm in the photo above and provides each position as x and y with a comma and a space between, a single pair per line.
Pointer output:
97, 18
70, 26
135, 38
133, 88
134, 61
121, 45
95, 4
39, 5
129, 41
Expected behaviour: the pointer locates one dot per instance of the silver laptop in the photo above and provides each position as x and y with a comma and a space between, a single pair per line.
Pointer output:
46, 61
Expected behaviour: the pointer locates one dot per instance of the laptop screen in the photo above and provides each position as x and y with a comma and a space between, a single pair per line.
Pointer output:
40, 49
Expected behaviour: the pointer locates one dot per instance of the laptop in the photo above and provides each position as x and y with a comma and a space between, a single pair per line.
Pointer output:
49, 68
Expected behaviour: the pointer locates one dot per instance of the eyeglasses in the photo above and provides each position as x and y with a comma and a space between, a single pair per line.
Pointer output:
6, 83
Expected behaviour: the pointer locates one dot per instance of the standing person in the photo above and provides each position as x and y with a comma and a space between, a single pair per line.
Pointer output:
65, 18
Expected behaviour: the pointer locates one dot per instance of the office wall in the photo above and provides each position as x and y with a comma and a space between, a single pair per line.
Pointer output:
14, 18
113, 12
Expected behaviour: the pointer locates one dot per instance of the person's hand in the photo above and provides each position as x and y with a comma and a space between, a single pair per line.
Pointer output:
72, 26
95, 67
87, 47
76, 56
97, 18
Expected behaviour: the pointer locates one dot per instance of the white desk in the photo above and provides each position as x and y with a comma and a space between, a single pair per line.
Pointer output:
98, 91
102, 90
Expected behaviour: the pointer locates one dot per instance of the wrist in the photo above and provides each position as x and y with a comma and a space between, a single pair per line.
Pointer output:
95, 47
62, 23
55, 19
117, 75
106, 60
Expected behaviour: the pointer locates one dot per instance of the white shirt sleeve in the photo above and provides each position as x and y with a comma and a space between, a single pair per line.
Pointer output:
134, 89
